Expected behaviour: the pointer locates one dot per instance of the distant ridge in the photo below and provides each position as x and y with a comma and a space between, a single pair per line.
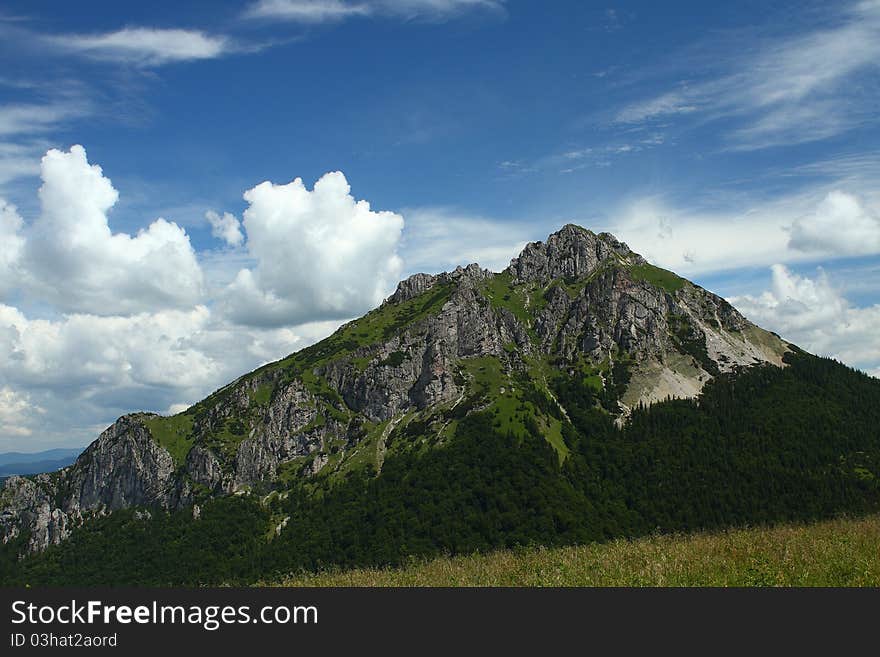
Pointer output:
9, 458
27, 463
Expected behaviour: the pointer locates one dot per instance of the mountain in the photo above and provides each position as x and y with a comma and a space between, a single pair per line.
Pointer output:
21, 463
581, 393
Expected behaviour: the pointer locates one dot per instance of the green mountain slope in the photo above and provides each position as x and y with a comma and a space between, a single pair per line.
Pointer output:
766, 446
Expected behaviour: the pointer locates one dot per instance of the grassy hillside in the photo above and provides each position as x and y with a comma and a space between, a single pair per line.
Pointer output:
832, 553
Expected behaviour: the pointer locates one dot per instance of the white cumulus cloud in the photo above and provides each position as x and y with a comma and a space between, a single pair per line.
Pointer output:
320, 254
11, 245
80, 265
111, 323
16, 413
226, 227
813, 314
840, 223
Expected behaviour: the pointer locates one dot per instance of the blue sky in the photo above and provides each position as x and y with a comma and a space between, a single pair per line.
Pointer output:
736, 143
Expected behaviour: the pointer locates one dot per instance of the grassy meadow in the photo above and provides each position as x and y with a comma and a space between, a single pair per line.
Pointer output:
843, 552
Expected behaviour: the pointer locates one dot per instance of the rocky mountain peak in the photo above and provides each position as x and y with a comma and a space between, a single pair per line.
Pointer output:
579, 306
570, 253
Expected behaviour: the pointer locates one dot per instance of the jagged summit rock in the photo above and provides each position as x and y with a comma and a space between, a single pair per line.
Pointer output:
578, 305
570, 253
417, 283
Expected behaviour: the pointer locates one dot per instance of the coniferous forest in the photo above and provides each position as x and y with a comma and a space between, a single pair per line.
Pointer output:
765, 446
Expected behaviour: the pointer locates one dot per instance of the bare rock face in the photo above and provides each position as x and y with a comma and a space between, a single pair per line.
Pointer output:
28, 510
415, 368
282, 435
465, 327
412, 287
124, 467
571, 253
577, 298
203, 468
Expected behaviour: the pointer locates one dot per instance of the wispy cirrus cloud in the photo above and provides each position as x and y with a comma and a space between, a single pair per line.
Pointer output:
787, 90
27, 122
306, 11
581, 157
20, 160
145, 46
326, 11
673, 102
33, 118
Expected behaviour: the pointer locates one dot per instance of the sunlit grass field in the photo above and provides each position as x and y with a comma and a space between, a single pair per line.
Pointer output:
844, 552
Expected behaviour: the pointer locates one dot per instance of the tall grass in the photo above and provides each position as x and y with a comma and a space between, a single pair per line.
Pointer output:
843, 552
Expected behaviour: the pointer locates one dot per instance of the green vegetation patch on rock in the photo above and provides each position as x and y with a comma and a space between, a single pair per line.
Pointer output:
226, 440
173, 433
658, 277
513, 401
262, 395
502, 293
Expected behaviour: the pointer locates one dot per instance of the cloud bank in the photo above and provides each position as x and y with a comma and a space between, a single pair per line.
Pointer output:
840, 224
813, 314
804, 227
96, 323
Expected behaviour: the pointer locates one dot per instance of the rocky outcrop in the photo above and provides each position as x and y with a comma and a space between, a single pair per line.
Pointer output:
413, 286
29, 512
416, 367
124, 467
579, 300
570, 254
